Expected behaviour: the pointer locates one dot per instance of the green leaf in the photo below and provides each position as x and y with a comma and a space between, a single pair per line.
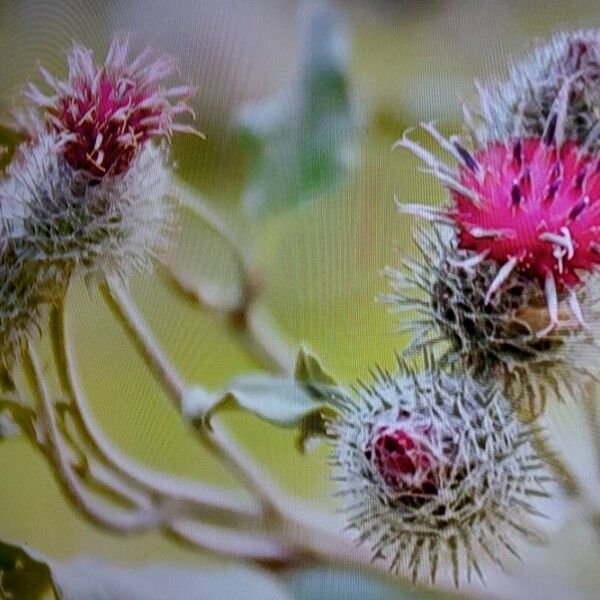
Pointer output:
302, 139
280, 400
299, 402
28, 576
309, 370
22, 576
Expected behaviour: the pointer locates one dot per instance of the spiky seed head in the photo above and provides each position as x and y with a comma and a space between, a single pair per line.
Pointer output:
103, 115
27, 290
566, 69
434, 468
443, 299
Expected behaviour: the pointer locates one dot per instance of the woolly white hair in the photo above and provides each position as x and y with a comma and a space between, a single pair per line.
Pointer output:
485, 486
564, 71
110, 225
57, 222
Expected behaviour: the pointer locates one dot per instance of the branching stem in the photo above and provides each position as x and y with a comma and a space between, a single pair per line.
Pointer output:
214, 438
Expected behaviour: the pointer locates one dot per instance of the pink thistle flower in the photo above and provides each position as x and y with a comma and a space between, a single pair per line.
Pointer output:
531, 205
538, 209
103, 114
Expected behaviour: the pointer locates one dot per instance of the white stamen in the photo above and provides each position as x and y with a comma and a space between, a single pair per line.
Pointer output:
430, 213
440, 139
569, 239
502, 275
559, 254
559, 240
471, 262
423, 154
98, 142
480, 232
451, 182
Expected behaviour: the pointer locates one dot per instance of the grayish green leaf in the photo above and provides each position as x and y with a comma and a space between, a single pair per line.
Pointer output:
21, 575
301, 139
299, 402
306, 584
309, 370
28, 576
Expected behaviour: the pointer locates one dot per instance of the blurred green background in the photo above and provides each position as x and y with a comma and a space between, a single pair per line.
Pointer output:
322, 260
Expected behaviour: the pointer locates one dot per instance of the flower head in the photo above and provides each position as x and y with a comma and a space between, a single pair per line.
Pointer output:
434, 467
530, 205
103, 115
537, 208
86, 193
561, 74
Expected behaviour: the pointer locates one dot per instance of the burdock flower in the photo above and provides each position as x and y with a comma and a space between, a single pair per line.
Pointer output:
434, 469
103, 115
89, 191
564, 73
520, 258
93, 189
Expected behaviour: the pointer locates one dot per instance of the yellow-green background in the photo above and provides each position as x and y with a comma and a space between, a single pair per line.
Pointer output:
410, 61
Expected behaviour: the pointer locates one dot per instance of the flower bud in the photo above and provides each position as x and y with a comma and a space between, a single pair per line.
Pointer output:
434, 468
103, 115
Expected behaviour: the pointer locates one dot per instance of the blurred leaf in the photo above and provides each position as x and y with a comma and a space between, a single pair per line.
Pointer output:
89, 579
21, 576
285, 402
24, 577
309, 370
306, 584
301, 139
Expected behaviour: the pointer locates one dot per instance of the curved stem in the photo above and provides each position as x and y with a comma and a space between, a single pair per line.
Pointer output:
215, 438
118, 521
234, 544
250, 321
265, 340
200, 496
147, 514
